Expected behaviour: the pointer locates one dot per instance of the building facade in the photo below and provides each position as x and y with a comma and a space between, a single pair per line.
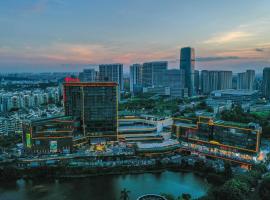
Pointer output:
112, 73
88, 75
187, 63
197, 81
245, 80
95, 105
135, 78
153, 73
175, 80
235, 96
266, 83
49, 135
225, 140
215, 80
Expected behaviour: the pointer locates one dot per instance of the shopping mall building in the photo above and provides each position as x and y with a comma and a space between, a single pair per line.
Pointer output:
225, 140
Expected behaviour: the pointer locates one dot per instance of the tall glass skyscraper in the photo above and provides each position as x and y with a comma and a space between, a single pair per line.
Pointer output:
112, 73
153, 73
95, 106
88, 75
135, 77
187, 63
266, 82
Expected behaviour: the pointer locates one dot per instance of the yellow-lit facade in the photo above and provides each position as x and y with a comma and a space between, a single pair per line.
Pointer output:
205, 136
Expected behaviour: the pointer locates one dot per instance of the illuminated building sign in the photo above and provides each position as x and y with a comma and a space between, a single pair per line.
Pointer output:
71, 80
28, 140
53, 146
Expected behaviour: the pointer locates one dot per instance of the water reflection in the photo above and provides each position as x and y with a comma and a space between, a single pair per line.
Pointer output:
105, 187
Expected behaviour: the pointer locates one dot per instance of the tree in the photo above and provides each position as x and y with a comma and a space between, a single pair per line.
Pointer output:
233, 189
124, 194
184, 196
199, 165
216, 179
264, 189
227, 170
202, 105
266, 131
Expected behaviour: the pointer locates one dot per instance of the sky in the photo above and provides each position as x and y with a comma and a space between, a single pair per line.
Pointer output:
68, 35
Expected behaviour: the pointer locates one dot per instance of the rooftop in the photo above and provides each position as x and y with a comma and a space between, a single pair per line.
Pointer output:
235, 92
91, 84
163, 144
151, 197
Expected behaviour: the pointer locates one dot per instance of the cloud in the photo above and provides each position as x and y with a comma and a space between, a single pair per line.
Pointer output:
247, 53
80, 54
37, 7
228, 37
217, 58
259, 49
40, 6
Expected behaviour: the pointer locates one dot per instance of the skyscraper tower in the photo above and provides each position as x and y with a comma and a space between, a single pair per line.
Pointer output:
135, 77
224, 80
266, 82
95, 106
187, 63
197, 81
215, 80
88, 75
112, 73
245, 80
153, 73
250, 79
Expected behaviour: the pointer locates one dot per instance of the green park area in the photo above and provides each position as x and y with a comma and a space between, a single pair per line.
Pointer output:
236, 114
158, 106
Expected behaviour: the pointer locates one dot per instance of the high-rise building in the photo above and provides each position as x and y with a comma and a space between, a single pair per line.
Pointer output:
266, 82
95, 105
153, 73
241, 80
88, 75
245, 80
187, 63
225, 80
112, 73
175, 80
215, 80
197, 81
175, 77
135, 77
205, 82
250, 79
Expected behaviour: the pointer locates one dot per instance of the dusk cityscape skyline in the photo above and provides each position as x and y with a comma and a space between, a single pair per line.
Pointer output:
134, 100
56, 35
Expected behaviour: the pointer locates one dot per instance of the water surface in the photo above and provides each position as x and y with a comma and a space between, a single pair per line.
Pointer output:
105, 187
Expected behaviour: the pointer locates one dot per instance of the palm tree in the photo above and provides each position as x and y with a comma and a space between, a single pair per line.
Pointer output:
124, 194
184, 196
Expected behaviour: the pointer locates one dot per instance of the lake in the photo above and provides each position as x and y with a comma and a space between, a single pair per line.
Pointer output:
105, 187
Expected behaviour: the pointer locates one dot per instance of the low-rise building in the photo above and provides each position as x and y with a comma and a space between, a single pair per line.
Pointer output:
144, 128
236, 96
49, 135
220, 139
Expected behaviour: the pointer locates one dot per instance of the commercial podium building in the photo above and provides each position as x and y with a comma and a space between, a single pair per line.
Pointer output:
49, 135
225, 140
90, 114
